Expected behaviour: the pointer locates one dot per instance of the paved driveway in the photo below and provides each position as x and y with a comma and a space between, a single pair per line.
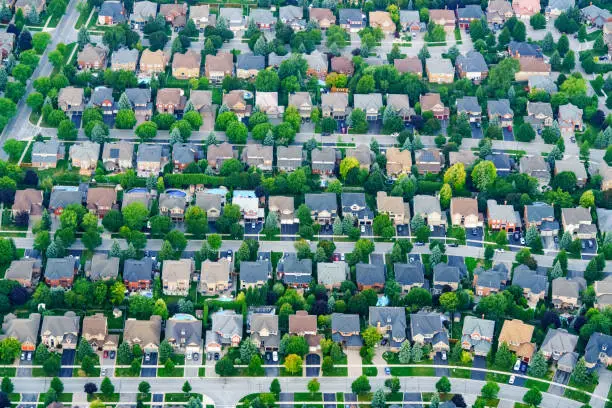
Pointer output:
350, 397
289, 229
560, 377
508, 135
441, 372
286, 397
253, 228
479, 362
271, 371
602, 389
67, 360
377, 259
29, 398
158, 398
24, 369
474, 234
403, 230
412, 397
588, 252
310, 360
149, 371
329, 397
476, 132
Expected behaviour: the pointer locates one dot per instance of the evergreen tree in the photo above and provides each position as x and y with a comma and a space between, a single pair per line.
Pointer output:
416, 222
405, 354
581, 375
33, 17
407, 144
417, 144
436, 255
556, 271
83, 36
538, 367
188, 107
211, 139
565, 241
124, 102
548, 44
261, 46
175, 136
269, 139
417, 353
3, 78
379, 399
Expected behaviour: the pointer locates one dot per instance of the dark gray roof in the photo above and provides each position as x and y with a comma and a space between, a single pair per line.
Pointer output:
499, 107
112, 9
473, 61
471, 11
445, 273
252, 272
425, 323
321, 202
345, 322
351, 16
349, 199
370, 274
526, 278
291, 264
501, 161
538, 212
489, 279
468, 104
598, 344
250, 61
124, 56
179, 329
101, 94
63, 198
559, 341
136, 270
138, 96
184, 153
149, 153
409, 274
59, 268
45, 151
524, 49
390, 316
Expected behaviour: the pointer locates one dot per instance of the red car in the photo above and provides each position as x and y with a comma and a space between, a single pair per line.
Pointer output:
510, 128
105, 354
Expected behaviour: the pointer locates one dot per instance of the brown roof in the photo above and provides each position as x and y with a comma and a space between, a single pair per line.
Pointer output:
101, 197
319, 14
437, 15
408, 64
429, 101
464, 206
382, 20
302, 322
342, 65
530, 64
172, 11
95, 325
149, 57
92, 54
28, 200
171, 96
389, 204
222, 62
234, 97
222, 150
188, 60
517, 335
396, 158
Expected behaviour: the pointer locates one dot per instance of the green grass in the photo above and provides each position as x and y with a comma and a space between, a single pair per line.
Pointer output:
413, 371
338, 371
202, 372
577, 395
500, 378
285, 373
63, 397
370, 371
104, 398
520, 405
542, 386
125, 372
177, 359
459, 373
307, 397
180, 396
489, 402
8, 372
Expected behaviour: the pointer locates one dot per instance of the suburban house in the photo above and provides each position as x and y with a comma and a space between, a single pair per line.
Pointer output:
255, 274
172, 206
342, 65
535, 166
263, 328
45, 154
603, 293
149, 160
259, 156
323, 207
145, 333
60, 331
541, 216
219, 66
445, 18
370, 276
593, 15
382, 20
498, 12
355, 205
226, 330
92, 57
102, 98
557, 343
24, 271
202, 102
211, 203
249, 64
518, 49
409, 275
248, 202
27, 6
234, 18
428, 207
502, 216
153, 62
469, 106
427, 328
304, 325
400, 104
303, 102
500, 112
598, 351
95, 332
578, 222
525, 8
332, 274
183, 154
142, 11
174, 13
101, 200
84, 155
477, 335
440, 70
236, 102
432, 102
334, 104
118, 156
410, 21
570, 118
267, 102
215, 276
24, 329
529, 67
371, 104
466, 157
323, 17
395, 207
487, 282
111, 12
264, 19
274, 60
28, 201
572, 165
176, 276
294, 272
61, 197
217, 154
517, 335
143, 197
170, 100
390, 322
469, 13
184, 333
59, 272
323, 161
187, 65
201, 16
445, 275
542, 83
539, 114
288, 158
284, 208
411, 65
351, 19
345, 329
398, 162
429, 160
317, 64
566, 292
102, 267
535, 286
71, 100
464, 212
124, 59
292, 16
472, 65
138, 274
140, 99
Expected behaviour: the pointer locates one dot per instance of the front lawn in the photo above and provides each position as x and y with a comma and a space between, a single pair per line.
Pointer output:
542, 386
577, 396
125, 372
63, 397
338, 371
103, 397
8, 372
178, 360
180, 396
307, 397
500, 378
459, 373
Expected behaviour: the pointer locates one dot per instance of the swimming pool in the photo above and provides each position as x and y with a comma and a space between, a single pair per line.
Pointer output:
138, 190
183, 316
176, 193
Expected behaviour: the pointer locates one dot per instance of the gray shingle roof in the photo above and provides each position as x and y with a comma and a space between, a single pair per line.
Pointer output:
101, 94
63, 198
124, 56
292, 265
250, 61
60, 325
138, 96
179, 329
524, 49
538, 212
331, 273
352, 16
226, 324
598, 344
321, 202
499, 107
262, 16
390, 316
425, 324
484, 327
409, 274
472, 61
149, 153
471, 11
526, 278
445, 273
257, 271
559, 341
184, 153
136, 270
370, 274
468, 104
59, 268
112, 9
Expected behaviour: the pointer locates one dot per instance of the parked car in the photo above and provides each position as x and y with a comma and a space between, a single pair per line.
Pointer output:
216, 356
105, 354
196, 356
275, 356
387, 371
517, 365
522, 241
512, 378
474, 232
363, 229
209, 356
444, 356
112, 354
23, 356
590, 241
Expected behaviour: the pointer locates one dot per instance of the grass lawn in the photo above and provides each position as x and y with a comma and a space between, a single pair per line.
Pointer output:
14, 397
8, 372
104, 398
285, 373
459, 373
125, 372
593, 36
493, 402
178, 359
307, 396
542, 386
370, 371
180, 396
501, 378
577, 395
413, 371
338, 371
143, 397
36, 372
63, 397
520, 405
202, 372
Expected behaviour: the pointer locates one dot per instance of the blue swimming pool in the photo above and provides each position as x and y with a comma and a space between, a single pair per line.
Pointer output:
183, 316
176, 193
138, 190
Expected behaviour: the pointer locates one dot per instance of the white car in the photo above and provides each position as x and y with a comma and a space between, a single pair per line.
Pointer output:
444, 356
512, 378
103, 372
522, 241
362, 229
517, 365
275, 356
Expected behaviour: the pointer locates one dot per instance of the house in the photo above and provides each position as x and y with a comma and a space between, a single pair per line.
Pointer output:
605, 172
176, 276
84, 155
264, 331
351, 20
172, 206
303, 102
525, 8
60, 271
542, 83
264, 19
394, 207
503, 163
226, 330
28, 201
603, 293
502, 216
323, 161
535, 166
117, 156
268, 104
60, 331
138, 274
100, 200
24, 271
302, 324
236, 102
219, 66
572, 165
398, 162
317, 64
201, 17
71, 100
411, 65
153, 62
410, 275
469, 13
255, 274
466, 157
557, 343
382, 20
202, 102
592, 15
183, 154
323, 17
432, 102
345, 330
24, 329
217, 154
174, 13
102, 98
519, 49
535, 286
124, 59
445, 18
370, 276
342, 65
323, 207
598, 351
570, 118
400, 104
334, 104
332, 274
445, 276
578, 222
233, 17
249, 64
143, 197
529, 66
288, 158
26, 6
541, 216
517, 335
371, 104
111, 12
292, 16
487, 282
92, 57
102, 268
428, 207
7, 44
211, 203
170, 100
61, 197
498, 12
249, 205
259, 156
149, 160
500, 112
477, 335
539, 114
556, 7
95, 332
184, 333
284, 208
427, 328
429, 160
274, 60
566, 292
390, 322
140, 99
469, 106
439, 70
145, 333
45, 154
294, 272
472, 65
410, 21
464, 212
215, 276
187, 65
142, 11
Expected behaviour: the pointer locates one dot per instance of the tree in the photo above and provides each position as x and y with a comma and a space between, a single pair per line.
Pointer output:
524, 133
484, 175
144, 387
361, 385
370, 336
587, 199
445, 196
443, 385
504, 359
313, 386
186, 387
275, 387
404, 354
490, 390
538, 21
563, 45
532, 239
196, 221
347, 164
125, 119
455, 176
237, 132
106, 387
379, 399
449, 300
538, 367
293, 363
417, 353
533, 397
90, 388
135, 216
393, 384
7, 385
146, 130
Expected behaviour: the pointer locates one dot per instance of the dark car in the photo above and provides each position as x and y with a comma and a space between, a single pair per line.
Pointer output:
216, 356
112, 354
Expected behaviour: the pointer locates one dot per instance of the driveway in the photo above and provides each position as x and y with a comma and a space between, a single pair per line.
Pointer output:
253, 228
29, 398
350, 397
107, 363
508, 135
289, 229
438, 232
441, 372
286, 397
313, 359
377, 259
476, 132
271, 371
413, 397
329, 397
602, 389
76, 119
479, 362
353, 360
403, 230
158, 398
589, 252
24, 369
67, 360
149, 371
560, 377
474, 237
